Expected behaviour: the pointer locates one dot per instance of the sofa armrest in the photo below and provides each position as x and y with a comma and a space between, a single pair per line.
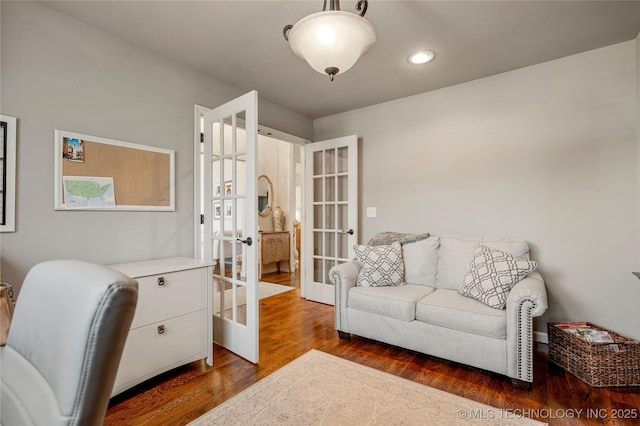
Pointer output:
526, 300
531, 289
343, 277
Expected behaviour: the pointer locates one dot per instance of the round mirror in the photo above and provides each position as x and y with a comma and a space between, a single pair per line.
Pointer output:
265, 195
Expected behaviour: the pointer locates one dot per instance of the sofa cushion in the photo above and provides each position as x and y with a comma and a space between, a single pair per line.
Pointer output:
381, 265
457, 252
491, 275
393, 302
421, 261
447, 308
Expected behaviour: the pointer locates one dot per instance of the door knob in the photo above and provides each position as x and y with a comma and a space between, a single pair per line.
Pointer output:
248, 241
347, 231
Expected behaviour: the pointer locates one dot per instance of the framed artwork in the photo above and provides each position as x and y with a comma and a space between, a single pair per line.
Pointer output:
216, 189
228, 210
217, 210
228, 188
7, 173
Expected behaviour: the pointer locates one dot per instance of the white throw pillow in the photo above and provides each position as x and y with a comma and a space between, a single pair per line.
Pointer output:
456, 252
421, 261
381, 265
492, 274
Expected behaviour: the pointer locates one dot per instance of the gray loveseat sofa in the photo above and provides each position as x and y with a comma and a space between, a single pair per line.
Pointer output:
427, 313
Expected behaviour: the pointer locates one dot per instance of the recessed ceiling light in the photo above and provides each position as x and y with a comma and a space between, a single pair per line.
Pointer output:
421, 57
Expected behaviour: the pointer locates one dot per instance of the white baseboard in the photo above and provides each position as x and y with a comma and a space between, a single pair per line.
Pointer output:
541, 337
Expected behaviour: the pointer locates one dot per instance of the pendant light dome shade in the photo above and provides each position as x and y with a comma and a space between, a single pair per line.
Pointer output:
331, 41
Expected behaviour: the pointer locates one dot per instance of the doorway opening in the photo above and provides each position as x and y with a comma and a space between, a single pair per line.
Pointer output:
280, 189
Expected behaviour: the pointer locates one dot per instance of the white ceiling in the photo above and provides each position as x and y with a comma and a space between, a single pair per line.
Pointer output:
240, 42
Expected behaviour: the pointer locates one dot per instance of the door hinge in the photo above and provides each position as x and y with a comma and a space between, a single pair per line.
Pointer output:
201, 219
201, 137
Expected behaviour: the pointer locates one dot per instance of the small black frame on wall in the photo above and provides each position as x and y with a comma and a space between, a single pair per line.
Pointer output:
7, 173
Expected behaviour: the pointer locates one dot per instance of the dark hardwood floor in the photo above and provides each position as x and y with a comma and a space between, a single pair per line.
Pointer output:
291, 326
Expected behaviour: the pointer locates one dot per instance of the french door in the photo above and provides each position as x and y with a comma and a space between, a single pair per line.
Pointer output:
331, 212
230, 226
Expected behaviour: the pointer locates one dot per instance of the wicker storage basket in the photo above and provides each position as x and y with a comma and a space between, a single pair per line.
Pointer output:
595, 363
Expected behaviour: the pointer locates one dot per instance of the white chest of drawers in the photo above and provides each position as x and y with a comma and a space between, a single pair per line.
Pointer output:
172, 325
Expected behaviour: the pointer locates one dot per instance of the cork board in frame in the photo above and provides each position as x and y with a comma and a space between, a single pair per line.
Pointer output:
143, 176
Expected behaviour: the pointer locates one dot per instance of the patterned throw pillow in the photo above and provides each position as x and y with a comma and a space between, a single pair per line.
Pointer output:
381, 265
492, 274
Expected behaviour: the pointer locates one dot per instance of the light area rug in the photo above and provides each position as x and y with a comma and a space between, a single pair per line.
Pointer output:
265, 290
318, 388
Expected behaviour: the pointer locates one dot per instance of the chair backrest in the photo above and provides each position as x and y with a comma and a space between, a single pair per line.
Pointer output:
64, 345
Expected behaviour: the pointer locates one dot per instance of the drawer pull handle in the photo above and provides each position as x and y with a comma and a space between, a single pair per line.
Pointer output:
161, 281
161, 329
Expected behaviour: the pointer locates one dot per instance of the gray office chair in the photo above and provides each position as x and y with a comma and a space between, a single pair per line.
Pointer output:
64, 345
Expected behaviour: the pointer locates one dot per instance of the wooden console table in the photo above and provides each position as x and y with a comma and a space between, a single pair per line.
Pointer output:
274, 248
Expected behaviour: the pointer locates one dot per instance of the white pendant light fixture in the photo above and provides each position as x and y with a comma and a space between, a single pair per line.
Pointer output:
331, 41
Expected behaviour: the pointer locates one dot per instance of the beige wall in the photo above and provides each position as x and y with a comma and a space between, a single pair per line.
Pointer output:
57, 73
547, 153
275, 161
